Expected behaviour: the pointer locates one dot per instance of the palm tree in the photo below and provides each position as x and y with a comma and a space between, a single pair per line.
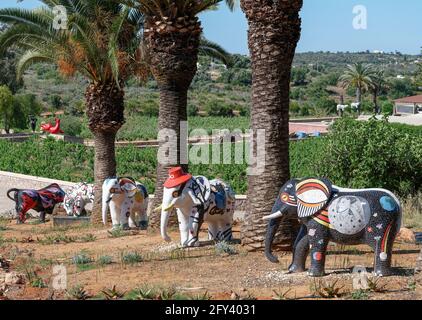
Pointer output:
274, 30
172, 37
101, 42
357, 76
377, 86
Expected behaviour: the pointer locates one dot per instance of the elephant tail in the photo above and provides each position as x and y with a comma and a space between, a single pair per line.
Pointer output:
15, 196
271, 231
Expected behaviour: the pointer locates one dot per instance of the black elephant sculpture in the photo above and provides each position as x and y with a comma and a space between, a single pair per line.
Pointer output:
42, 201
330, 213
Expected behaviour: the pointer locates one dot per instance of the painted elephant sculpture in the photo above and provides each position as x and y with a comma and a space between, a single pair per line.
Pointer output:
128, 202
42, 201
330, 213
77, 197
196, 199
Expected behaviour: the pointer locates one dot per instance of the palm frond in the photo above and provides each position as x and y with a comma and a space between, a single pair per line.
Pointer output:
29, 58
214, 50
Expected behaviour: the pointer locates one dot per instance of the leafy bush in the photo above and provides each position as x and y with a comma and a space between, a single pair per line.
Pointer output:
81, 259
70, 125
219, 108
372, 154
387, 108
192, 110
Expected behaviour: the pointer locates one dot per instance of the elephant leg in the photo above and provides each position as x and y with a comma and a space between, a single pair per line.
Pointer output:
115, 214
383, 248
225, 231
42, 216
318, 242
143, 220
183, 228
125, 212
213, 231
133, 219
300, 251
194, 223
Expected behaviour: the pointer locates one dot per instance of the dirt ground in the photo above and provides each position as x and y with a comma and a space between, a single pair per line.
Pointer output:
33, 249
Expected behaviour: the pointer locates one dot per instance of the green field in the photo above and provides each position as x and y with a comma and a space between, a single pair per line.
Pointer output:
73, 162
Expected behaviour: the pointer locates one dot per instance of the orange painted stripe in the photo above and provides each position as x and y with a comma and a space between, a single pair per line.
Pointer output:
384, 242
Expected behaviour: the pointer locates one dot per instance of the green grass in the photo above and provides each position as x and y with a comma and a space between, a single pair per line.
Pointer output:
105, 260
131, 258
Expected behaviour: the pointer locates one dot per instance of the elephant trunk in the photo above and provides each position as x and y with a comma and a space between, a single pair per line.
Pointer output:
164, 223
272, 228
106, 197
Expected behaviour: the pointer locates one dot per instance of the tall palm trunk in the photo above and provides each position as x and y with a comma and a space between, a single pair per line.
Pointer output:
274, 30
105, 108
375, 100
173, 59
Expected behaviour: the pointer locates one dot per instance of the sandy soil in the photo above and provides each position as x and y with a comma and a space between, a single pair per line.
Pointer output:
192, 272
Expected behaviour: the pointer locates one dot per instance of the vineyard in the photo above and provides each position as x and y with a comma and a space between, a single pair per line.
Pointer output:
146, 128
354, 154
73, 162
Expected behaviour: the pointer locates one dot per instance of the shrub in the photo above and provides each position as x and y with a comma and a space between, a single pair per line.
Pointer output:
81, 259
387, 108
131, 258
219, 108
372, 154
70, 125
192, 110
223, 248
105, 260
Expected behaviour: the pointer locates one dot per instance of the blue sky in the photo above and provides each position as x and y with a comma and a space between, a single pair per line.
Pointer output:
326, 25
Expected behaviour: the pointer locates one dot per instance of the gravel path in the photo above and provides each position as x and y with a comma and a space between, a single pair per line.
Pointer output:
413, 119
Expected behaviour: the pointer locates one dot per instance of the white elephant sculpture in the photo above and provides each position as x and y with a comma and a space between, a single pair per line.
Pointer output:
197, 200
128, 202
77, 197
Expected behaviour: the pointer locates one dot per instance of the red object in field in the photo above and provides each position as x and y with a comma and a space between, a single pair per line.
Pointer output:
48, 127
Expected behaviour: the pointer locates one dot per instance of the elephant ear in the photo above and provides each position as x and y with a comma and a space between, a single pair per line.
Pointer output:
312, 196
127, 185
200, 190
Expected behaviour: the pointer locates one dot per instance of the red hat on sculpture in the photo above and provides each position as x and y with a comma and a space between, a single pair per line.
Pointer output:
176, 177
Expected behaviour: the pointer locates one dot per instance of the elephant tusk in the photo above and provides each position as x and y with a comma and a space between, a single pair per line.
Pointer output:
158, 208
273, 216
169, 208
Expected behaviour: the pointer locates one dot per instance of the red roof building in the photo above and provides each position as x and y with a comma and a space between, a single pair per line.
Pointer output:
408, 105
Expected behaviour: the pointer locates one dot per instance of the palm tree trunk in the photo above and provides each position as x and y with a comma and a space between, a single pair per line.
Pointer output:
359, 99
375, 100
173, 59
274, 31
173, 110
105, 107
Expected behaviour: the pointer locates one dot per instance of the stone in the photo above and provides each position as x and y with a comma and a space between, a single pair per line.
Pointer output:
66, 220
406, 235
11, 278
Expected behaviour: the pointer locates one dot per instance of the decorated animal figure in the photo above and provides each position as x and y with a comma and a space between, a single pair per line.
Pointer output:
128, 202
196, 199
48, 127
330, 213
77, 197
341, 108
42, 201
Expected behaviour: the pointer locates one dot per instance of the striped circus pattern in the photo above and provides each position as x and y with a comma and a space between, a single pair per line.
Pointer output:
312, 196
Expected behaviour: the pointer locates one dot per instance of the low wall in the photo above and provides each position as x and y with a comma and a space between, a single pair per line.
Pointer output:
10, 180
